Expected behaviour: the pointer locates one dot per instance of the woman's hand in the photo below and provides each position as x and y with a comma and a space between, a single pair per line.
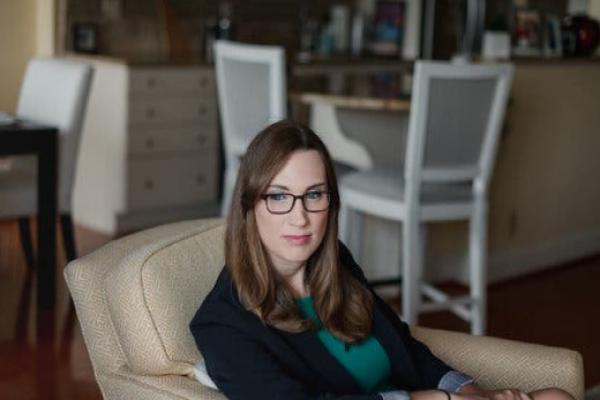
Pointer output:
472, 392
503, 394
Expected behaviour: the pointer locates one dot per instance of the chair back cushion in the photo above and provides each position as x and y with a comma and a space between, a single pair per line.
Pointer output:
153, 294
55, 92
251, 85
456, 115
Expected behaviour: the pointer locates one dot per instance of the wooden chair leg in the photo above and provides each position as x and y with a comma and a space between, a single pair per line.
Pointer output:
25, 297
26, 242
68, 237
66, 225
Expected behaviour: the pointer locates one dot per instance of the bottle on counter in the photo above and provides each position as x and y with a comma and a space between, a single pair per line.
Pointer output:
225, 21
357, 36
325, 47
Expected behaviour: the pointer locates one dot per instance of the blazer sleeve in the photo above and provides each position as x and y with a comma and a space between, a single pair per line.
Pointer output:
431, 369
243, 370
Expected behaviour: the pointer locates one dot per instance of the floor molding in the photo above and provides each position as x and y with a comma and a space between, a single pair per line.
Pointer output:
509, 264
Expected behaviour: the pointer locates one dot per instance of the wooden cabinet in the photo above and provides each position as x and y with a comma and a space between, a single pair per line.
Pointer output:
149, 150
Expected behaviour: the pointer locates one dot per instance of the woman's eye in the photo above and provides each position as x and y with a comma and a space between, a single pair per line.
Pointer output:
278, 196
313, 195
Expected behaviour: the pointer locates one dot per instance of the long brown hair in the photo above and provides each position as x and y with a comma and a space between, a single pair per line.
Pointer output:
342, 303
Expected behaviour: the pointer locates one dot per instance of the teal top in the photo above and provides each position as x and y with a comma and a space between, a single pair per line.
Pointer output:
366, 361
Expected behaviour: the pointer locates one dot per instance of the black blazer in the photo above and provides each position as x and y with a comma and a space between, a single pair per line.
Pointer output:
250, 360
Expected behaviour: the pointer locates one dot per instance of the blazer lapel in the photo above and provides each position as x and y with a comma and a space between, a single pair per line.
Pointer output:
309, 347
404, 374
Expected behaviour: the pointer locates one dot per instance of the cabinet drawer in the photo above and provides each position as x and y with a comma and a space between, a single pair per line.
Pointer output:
171, 110
173, 140
172, 80
171, 181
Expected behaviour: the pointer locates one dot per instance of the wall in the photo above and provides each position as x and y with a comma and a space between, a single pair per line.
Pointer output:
26, 30
17, 45
45, 27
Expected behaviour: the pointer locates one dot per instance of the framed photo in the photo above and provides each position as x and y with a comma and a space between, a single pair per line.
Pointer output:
527, 33
85, 38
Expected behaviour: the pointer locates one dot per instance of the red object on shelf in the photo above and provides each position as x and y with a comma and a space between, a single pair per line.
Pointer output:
581, 35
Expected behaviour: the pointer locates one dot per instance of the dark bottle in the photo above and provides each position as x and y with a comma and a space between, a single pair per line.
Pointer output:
225, 22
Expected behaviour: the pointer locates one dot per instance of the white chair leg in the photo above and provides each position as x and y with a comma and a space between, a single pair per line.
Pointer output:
228, 185
344, 224
412, 267
478, 269
356, 236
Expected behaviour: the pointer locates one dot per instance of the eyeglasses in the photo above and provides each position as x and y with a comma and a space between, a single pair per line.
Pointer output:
283, 203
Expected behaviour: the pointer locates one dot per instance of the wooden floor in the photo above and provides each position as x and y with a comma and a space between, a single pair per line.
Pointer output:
558, 307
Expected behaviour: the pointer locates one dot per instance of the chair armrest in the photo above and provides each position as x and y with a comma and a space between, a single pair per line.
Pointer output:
500, 363
125, 384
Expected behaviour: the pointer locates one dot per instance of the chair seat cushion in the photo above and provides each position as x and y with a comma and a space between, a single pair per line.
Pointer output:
389, 184
18, 189
18, 192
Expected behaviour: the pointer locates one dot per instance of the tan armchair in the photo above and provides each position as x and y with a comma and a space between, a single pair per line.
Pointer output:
135, 297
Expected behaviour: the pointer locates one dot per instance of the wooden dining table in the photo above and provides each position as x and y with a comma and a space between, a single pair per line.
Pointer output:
27, 137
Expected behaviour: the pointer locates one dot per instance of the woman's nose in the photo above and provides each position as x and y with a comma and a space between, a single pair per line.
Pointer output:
298, 215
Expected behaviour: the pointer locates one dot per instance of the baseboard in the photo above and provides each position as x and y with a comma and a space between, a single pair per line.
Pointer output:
512, 263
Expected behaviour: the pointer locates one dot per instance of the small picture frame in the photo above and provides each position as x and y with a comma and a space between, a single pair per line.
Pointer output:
85, 38
527, 33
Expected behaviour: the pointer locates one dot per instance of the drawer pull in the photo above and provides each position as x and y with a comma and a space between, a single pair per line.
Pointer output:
149, 184
150, 143
151, 82
150, 113
200, 179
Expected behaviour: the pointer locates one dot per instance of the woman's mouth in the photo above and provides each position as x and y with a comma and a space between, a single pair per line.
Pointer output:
297, 239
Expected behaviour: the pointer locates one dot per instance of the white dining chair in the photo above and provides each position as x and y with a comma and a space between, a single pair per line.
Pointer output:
54, 92
455, 119
251, 85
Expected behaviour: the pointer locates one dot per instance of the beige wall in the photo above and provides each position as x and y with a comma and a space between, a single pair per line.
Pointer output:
26, 30
544, 199
544, 196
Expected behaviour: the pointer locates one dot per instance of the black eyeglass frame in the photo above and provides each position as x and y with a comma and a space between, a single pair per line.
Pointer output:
266, 196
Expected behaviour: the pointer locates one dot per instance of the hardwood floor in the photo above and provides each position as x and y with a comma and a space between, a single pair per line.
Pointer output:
558, 307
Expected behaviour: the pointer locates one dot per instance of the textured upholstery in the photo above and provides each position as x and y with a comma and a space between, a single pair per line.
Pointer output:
135, 297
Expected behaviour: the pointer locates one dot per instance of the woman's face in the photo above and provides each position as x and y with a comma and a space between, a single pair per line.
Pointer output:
290, 239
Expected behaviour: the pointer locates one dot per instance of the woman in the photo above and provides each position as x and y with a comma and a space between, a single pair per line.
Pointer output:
291, 315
